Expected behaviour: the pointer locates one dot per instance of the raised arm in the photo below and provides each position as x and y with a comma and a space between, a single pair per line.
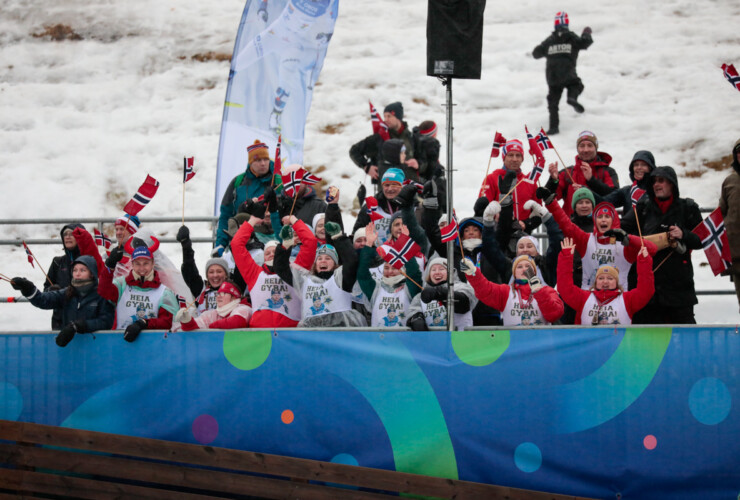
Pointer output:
574, 296
638, 297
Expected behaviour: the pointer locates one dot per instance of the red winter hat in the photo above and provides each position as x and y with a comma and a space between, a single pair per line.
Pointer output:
231, 289
561, 19
513, 145
606, 208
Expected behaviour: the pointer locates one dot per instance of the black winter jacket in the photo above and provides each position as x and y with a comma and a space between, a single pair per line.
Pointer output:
561, 49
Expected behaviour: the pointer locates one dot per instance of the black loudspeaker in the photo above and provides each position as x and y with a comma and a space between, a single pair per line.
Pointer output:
455, 38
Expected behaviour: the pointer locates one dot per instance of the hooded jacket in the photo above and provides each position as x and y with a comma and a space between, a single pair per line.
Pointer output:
622, 196
92, 308
603, 181
729, 204
561, 49
674, 280
60, 273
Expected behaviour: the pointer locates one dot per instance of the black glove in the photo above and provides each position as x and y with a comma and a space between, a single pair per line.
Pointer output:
270, 199
133, 330
480, 206
407, 196
258, 210
506, 182
183, 234
620, 234
114, 258
429, 195
26, 287
417, 323
587, 30
80, 325
545, 195
66, 335
430, 293
361, 194
284, 206
53, 288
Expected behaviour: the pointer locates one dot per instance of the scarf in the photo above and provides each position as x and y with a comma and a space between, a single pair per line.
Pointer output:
227, 309
83, 287
472, 243
393, 280
664, 205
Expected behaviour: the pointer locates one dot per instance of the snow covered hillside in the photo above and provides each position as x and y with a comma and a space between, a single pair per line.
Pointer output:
134, 86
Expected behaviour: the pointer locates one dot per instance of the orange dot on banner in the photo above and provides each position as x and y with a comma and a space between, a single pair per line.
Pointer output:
650, 442
287, 417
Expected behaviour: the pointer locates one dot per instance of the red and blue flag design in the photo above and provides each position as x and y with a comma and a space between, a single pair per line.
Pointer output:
539, 162
714, 241
28, 254
379, 126
731, 75
449, 232
419, 187
543, 140
187, 169
102, 240
636, 193
398, 253
143, 196
498, 141
371, 205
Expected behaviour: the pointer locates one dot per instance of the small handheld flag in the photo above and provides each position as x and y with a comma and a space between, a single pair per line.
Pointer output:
102, 240
309, 178
714, 240
419, 187
278, 160
731, 75
28, 254
543, 140
371, 205
636, 193
498, 141
187, 169
143, 196
398, 253
449, 232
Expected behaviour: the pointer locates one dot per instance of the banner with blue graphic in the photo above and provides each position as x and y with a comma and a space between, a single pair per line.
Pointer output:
278, 55
631, 413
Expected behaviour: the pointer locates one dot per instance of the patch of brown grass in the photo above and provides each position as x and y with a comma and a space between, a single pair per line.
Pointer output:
420, 100
693, 173
211, 56
58, 33
333, 128
114, 196
723, 163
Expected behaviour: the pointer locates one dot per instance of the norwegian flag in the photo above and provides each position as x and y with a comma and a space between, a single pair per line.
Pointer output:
714, 240
635, 193
731, 75
449, 232
187, 169
143, 196
28, 254
278, 161
292, 181
419, 187
534, 150
543, 140
498, 141
398, 253
102, 240
371, 205
539, 166
379, 126
309, 178
181, 302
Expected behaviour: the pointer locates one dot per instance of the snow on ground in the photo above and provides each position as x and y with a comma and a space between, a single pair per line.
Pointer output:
84, 121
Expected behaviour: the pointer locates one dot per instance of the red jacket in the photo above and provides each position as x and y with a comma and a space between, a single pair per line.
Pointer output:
495, 295
565, 187
523, 192
251, 271
581, 237
576, 297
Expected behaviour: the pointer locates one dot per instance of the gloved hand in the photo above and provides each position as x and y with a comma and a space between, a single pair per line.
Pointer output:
506, 182
430, 293
332, 195
545, 195
114, 258
133, 330
270, 199
258, 209
332, 229
537, 210
26, 287
490, 213
284, 205
288, 236
480, 205
80, 325
183, 316
407, 196
587, 30
361, 194
534, 281
66, 335
183, 234
467, 266
429, 195
217, 251
54, 288
417, 323
620, 234
262, 13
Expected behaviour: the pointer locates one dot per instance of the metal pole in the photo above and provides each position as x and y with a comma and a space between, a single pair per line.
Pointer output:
450, 244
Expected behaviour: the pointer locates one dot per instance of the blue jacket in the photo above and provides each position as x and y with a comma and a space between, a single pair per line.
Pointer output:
97, 312
241, 188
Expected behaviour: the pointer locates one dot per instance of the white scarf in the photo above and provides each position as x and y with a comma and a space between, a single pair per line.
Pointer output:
227, 309
393, 280
472, 243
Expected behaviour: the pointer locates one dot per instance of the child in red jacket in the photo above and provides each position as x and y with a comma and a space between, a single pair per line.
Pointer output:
526, 302
606, 303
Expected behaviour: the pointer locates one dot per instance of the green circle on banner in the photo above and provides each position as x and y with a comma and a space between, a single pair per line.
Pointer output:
480, 348
247, 350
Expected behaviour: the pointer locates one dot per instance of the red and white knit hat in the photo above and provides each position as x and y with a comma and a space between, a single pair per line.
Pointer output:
513, 145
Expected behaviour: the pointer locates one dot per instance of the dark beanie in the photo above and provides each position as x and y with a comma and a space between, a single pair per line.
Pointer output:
391, 151
396, 108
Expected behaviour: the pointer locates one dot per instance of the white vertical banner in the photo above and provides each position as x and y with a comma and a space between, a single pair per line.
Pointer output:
278, 55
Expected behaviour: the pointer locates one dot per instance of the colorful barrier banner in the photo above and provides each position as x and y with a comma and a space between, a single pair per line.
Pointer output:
278, 55
631, 413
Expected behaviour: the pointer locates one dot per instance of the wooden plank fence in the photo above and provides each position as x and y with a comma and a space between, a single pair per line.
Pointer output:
56, 462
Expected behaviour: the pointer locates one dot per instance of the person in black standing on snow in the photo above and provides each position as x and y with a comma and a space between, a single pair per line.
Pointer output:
561, 49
